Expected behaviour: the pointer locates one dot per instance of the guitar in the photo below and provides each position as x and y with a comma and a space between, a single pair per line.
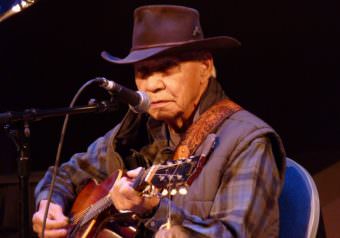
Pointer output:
93, 210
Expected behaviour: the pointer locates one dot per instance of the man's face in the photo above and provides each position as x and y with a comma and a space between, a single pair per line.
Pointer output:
174, 87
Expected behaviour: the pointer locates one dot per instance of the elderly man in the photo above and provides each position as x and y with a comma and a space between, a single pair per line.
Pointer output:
234, 193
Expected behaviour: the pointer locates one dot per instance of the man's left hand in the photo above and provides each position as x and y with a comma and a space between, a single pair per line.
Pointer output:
124, 197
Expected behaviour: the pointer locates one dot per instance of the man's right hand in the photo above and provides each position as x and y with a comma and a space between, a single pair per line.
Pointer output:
56, 221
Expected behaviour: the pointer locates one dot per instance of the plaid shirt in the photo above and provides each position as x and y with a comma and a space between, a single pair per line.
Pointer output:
235, 195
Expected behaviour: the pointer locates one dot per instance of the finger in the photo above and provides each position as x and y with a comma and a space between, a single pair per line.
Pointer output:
54, 233
59, 216
50, 225
59, 221
56, 224
37, 228
55, 211
117, 186
150, 202
59, 232
37, 219
121, 182
134, 173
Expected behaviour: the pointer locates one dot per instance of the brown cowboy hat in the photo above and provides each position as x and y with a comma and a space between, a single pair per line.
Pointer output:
165, 29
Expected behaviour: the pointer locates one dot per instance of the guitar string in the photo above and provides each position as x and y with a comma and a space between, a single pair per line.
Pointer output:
101, 204
80, 215
76, 217
176, 166
168, 222
96, 209
162, 167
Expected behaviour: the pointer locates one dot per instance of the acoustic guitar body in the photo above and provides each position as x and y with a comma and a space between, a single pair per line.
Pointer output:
93, 212
96, 227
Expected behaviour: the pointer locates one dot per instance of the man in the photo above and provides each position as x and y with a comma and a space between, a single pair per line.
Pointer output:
236, 192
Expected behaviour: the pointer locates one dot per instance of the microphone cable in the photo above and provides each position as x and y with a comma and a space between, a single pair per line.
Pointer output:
60, 145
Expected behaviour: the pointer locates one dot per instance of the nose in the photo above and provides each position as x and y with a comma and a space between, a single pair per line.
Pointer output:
154, 83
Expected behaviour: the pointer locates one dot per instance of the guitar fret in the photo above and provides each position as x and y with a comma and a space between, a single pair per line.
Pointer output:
96, 209
169, 176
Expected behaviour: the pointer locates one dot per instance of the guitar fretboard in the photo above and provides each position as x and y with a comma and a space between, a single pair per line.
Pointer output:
92, 211
167, 176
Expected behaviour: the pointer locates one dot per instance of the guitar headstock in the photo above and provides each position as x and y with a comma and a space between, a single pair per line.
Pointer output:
169, 177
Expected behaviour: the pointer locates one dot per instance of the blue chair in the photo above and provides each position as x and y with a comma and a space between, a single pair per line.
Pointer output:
299, 203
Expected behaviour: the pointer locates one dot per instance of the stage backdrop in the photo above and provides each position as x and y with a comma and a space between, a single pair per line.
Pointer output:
286, 72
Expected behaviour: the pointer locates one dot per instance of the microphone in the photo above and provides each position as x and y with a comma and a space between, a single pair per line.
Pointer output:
138, 100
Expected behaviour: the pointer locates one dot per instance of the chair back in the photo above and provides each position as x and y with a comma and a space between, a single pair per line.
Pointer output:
299, 203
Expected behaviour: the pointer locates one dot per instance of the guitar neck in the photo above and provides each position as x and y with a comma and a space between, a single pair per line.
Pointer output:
92, 211
169, 176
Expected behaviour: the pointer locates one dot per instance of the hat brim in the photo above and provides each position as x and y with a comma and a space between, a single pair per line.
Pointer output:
143, 54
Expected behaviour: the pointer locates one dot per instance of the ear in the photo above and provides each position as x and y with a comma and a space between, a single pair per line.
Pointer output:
206, 69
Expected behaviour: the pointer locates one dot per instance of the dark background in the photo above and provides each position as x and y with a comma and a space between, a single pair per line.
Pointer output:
286, 71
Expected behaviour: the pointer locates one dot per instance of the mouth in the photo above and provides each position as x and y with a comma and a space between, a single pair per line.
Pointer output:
159, 103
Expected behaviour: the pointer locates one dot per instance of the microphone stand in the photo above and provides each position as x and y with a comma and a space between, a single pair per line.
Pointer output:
21, 140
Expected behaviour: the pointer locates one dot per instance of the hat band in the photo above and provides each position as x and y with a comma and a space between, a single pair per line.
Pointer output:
142, 47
